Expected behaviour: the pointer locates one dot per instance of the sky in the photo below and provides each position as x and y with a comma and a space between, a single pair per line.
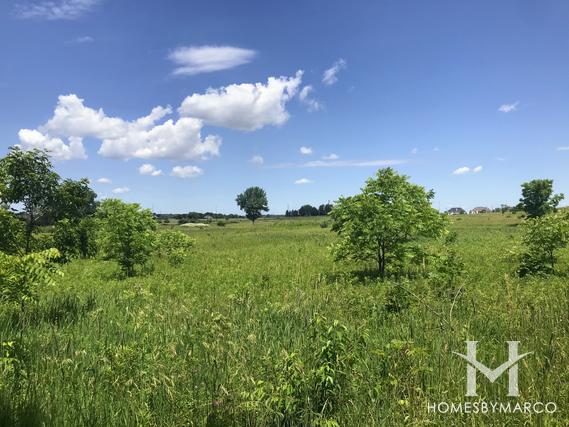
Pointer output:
180, 105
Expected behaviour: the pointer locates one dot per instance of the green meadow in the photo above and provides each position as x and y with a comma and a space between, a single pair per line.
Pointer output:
260, 327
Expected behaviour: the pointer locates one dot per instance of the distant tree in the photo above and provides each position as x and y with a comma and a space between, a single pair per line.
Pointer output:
308, 210
383, 221
126, 233
253, 201
29, 179
538, 198
324, 209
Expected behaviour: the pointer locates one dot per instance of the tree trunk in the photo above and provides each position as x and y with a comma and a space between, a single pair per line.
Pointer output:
381, 261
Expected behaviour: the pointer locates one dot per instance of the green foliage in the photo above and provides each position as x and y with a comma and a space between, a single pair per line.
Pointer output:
76, 238
11, 232
542, 238
22, 276
253, 201
74, 200
538, 198
174, 245
29, 179
126, 233
383, 222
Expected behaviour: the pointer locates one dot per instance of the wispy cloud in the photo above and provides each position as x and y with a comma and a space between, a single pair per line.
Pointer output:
191, 60
508, 108
148, 169
305, 151
257, 160
186, 171
121, 190
303, 181
104, 181
330, 76
311, 103
53, 10
465, 169
340, 164
331, 156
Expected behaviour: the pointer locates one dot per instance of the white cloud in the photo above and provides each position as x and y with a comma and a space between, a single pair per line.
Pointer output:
148, 169
257, 160
204, 59
104, 181
330, 75
331, 156
508, 108
414, 151
461, 171
143, 138
311, 103
477, 169
186, 171
81, 40
340, 164
305, 151
303, 181
121, 190
244, 106
52, 10
57, 149
565, 148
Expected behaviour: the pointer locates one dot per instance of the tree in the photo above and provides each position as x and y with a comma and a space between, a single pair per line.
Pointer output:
538, 198
74, 200
28, 178
253, 201
542, 238
382, 222
12, 232
308, 210
126, 233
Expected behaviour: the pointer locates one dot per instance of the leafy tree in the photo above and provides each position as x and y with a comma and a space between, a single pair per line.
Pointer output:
12, 232
74, 200
383, 221
29, 179
542, 238
538, 198
174, 245
75, 238
126, 233
308, 210
253, 201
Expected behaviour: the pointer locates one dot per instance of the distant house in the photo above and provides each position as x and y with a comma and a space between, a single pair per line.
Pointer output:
479, 210
456, 211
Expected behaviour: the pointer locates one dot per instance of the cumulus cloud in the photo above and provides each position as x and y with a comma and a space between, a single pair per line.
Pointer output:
193, 60
186, 171
146, 138
465, 169
331, 156
257, 160
244, 106
52, 10
508, 108
148, 169
121, 190
303, 181
104, 181
330, 76
305, 151
58, 149
311, 103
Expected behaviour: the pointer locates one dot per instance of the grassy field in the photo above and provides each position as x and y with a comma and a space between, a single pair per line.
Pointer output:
261, 327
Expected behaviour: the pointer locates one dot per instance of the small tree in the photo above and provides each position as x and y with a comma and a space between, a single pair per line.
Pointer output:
29, 179
253, 201
126, 233
11, 232
74, 200
174, 245
541, 240
538, 198
382, 222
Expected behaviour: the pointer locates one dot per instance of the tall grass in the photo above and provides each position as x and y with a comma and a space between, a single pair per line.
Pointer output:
259, 327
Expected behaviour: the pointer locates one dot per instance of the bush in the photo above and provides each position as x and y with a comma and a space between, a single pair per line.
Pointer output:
12, 232
126, 233
75, 239
542, 238
174, 245
21, 276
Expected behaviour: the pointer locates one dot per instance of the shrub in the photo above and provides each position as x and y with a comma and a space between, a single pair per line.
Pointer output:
174, 245
75, 238
12, 232
542, 238
126, 233
21, 276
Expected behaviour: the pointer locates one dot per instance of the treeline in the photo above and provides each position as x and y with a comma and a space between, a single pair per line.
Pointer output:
309, 210
195, 216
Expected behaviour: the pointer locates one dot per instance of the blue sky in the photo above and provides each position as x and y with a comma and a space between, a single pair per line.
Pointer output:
182, 105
